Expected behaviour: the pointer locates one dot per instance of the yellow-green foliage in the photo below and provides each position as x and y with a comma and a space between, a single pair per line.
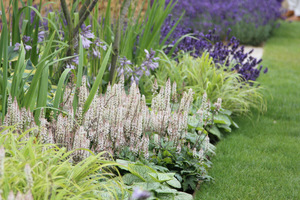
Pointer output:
202, 74
50, 174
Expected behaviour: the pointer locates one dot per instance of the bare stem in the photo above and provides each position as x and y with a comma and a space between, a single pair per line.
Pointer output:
70, 25
116, 45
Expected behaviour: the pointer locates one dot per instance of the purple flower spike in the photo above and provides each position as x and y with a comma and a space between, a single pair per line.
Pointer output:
149, 62
85, 35
86, 43
86, 32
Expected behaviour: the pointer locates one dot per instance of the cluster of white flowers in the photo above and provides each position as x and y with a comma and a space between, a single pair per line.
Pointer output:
21, 119
114, 120
19, 196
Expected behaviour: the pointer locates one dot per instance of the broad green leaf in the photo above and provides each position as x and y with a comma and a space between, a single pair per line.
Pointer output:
222, 119
225, 127
160, 177
150, 186
141, 171
163, 196
129, 179
215, 131
12, 54
183, 196
174, 183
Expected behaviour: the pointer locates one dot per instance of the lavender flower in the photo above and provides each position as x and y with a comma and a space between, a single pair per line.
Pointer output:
257, 17
224, 54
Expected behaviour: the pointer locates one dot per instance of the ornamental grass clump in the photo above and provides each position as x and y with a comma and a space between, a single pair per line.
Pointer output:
202, 75
31, 170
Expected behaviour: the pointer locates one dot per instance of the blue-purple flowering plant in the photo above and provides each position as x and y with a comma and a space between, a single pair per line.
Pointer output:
134, 72
223, 53
251, 21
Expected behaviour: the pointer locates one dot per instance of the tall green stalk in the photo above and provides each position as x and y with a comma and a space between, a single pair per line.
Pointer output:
116, 45
4, 56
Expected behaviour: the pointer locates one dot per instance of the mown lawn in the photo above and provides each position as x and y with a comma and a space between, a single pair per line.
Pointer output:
261, 160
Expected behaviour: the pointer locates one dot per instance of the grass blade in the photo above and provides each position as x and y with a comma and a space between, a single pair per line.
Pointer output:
29, 101
98, 80
59, 90
4, 54
79, 75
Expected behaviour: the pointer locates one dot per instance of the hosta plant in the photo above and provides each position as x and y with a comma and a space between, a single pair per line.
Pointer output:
160, 185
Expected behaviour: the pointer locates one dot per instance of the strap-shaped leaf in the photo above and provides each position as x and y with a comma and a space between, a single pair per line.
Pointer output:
79, 75
29, 101
42, 93
97, 81
4, 53
59, 90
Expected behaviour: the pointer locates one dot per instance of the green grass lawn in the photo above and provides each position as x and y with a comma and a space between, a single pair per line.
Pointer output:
261, 160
